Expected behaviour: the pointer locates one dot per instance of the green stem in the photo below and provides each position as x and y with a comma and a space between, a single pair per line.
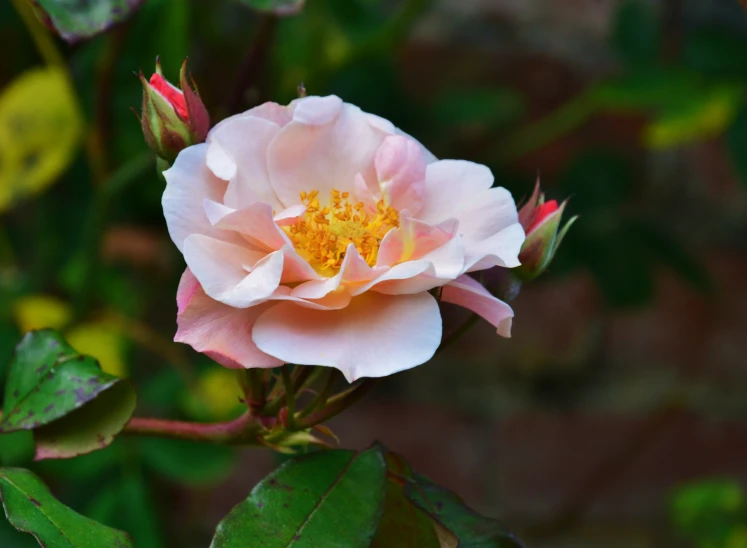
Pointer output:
542, 132
337, 404
242, 430
290, 397
40, 35
323, 395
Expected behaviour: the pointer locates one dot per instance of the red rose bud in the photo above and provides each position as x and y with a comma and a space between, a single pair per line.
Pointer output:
541, 222
172, 119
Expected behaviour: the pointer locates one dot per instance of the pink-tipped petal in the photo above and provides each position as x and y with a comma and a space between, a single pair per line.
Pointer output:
232, 274
414, 239
255, 223
220, 331
289, 215
470, 294
400, 168
375, 336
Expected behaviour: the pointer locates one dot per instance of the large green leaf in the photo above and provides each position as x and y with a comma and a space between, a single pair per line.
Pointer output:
329, 498
72, 405
31, 508
404, 525
279, 7
78, 19
472, 529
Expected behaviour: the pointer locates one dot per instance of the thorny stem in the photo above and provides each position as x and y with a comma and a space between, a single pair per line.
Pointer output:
242, 430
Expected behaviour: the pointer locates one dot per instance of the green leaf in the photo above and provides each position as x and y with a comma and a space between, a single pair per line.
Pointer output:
404, 525
329, 498
186, 462
736, 141
278, 7
636, 33
472, 529
74, 407
77, 20
31, 508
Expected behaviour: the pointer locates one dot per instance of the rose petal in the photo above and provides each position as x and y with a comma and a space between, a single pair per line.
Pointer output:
375, 336
255, 223
462, 190
469, 293
232, 274
353, 271
237, 152
400, 168
221, 332
434, 269
413, 239
501, 249
189, 183
325, 146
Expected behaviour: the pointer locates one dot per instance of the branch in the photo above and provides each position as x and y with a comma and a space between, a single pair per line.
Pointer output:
242, 430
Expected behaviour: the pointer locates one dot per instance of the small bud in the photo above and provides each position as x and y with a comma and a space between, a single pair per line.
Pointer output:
541, 222
172, 119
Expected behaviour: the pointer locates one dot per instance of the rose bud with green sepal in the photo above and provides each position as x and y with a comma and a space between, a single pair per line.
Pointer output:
172, 118
541, 221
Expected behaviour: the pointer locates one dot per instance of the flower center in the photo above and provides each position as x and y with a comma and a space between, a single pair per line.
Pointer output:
323, 234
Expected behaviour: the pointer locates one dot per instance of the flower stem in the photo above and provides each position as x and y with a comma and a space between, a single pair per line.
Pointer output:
337, 404
242, 430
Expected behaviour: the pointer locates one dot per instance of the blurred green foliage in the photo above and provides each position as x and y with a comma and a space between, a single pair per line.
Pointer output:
711, 514
353, 48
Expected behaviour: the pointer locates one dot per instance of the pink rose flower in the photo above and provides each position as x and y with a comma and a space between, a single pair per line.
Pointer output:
314, 233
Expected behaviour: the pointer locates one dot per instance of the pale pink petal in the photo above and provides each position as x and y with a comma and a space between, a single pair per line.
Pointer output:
353, 272
255, 223
375, 336
220, 331
469, 293
363, 193
501, 249
334, 300
434, 269
237, 152
289, 215
413, 239
232, 274
189, 183
463, 190
325, 146
400, 168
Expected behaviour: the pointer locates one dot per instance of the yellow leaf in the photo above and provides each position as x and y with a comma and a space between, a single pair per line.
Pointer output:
102, 341
40, 128
40, 311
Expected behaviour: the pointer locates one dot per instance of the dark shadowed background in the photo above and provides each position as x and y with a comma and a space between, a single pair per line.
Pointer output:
616, 414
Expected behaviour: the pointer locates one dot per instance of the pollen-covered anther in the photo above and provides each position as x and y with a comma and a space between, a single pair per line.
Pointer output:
323, 234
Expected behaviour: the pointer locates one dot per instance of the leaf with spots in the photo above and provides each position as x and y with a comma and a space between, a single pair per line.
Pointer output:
449, 510
31, 508
78, 19
329, 498
70, 403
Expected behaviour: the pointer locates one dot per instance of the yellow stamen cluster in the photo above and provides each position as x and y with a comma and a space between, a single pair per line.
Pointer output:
323, 234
